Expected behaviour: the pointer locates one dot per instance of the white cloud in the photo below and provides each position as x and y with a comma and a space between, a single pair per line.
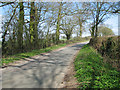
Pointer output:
86, 34
115, 30
112, 23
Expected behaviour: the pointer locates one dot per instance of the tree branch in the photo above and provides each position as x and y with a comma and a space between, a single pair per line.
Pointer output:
6, 4
8, 24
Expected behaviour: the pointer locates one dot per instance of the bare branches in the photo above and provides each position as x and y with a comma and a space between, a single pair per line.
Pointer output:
116, 11
8, 23
99, 11
8, 3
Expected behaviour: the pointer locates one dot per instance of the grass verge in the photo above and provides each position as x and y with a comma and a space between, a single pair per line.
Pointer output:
19, 56
92, 72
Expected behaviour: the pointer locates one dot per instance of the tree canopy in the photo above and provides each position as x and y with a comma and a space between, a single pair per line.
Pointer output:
35, 25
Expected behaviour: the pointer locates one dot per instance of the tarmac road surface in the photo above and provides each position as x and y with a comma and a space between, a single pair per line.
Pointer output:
42, 71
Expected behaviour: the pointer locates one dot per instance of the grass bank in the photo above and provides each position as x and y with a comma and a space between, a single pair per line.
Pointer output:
92, 72
19, 56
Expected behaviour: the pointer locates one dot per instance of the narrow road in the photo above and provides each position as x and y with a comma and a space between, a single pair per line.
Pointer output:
41, 71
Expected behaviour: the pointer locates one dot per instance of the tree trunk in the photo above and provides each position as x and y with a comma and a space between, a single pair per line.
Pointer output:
58, 24
68, 37
96, 33
47, 38
93, 31
32, 27
20, 30
77, 34
27, 39
35, 41
80, 29
14, 41
97, 18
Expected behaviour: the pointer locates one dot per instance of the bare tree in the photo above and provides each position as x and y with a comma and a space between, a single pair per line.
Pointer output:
67, 26
82, 16
99, 12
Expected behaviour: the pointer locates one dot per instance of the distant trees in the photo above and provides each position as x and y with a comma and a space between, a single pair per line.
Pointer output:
67, 26
82, 15
104, 31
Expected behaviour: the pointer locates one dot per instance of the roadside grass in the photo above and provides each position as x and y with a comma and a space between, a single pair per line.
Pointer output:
12, 58
92, 72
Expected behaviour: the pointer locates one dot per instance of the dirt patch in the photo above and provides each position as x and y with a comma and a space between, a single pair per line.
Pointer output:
69, 80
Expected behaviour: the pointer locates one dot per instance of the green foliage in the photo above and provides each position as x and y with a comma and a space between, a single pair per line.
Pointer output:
91, 72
